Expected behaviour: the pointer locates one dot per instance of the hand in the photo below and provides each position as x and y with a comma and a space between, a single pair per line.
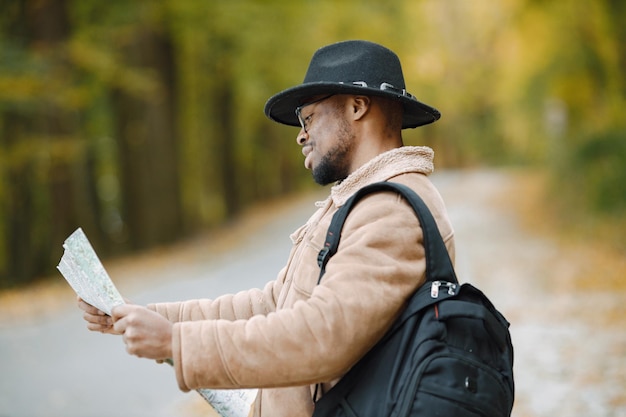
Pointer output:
146, 333
97, 320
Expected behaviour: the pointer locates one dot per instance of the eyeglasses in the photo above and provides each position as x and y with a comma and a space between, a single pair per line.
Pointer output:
306, 120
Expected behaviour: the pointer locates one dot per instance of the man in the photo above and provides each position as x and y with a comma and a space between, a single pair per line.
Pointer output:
295, 334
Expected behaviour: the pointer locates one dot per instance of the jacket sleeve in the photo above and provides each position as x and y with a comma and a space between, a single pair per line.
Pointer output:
241, 305
380, 262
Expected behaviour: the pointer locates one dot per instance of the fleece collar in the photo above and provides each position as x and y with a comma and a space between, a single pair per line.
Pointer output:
403, 160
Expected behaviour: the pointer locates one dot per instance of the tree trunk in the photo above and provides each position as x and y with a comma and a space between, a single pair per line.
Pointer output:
46, 186
147, 141
225, 144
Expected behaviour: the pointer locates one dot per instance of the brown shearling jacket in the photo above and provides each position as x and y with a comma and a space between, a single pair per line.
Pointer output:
293, 333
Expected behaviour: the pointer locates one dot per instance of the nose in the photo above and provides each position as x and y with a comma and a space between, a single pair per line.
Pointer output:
302, 137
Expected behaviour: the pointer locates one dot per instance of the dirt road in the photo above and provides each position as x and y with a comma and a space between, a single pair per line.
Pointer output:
568, 320
570, 341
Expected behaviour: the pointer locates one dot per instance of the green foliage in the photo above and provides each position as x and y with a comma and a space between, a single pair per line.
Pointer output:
596, 171
96, 97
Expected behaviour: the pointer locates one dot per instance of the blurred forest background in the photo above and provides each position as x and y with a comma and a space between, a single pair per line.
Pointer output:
142, 121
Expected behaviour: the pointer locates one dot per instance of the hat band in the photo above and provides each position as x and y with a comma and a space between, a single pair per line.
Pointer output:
384, 87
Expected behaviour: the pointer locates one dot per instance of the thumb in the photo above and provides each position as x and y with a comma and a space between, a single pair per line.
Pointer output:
120, 311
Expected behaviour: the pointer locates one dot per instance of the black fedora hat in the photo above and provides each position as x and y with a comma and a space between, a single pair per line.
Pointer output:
351, 67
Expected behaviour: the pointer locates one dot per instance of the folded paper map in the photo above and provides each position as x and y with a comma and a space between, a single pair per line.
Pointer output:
84, 272
86, 275
230, 403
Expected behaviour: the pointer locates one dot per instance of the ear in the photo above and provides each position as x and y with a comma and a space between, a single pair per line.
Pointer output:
360, 106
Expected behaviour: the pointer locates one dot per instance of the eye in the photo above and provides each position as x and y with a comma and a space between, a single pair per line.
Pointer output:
307, 120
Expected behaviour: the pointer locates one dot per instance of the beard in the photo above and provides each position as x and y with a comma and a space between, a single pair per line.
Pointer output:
334, 165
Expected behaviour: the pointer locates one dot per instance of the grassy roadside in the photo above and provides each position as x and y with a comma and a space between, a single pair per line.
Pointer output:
592, 245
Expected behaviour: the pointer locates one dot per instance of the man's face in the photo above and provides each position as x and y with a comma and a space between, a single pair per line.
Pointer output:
328, 141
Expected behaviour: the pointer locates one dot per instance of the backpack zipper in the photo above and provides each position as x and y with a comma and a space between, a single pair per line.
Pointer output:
434, 288
412, 389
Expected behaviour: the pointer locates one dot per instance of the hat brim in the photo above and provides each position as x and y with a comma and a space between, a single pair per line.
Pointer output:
281, 107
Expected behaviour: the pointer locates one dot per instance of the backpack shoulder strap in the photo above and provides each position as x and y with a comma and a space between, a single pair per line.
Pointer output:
438, 264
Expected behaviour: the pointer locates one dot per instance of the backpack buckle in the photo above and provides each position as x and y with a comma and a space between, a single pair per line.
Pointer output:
322, 255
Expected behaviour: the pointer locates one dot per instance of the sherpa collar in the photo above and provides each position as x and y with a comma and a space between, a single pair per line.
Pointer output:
397, 161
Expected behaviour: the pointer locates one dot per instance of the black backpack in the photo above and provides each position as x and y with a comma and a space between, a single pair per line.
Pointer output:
448, 354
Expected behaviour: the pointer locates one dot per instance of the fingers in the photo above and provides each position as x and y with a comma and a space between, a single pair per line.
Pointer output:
94, 322
123, 310
127, 320
88, 308
97, 320
145, 333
